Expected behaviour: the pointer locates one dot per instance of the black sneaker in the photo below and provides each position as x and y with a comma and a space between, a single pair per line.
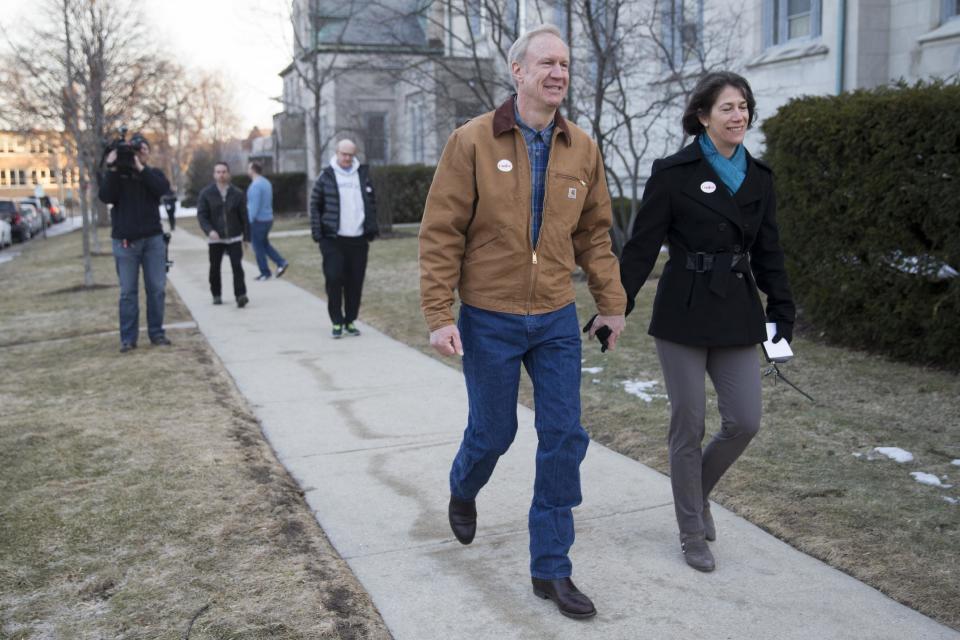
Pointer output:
282, 270
127, 346
351, 330
337, 332
162, 341
242, 301
262, 277
217, 300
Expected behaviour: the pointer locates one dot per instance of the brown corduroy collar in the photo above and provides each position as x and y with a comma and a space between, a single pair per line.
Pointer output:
504, 120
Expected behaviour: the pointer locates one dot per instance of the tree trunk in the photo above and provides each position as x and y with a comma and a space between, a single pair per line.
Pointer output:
87, 226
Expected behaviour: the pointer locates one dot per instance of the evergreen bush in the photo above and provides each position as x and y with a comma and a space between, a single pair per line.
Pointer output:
401, 192
868, 188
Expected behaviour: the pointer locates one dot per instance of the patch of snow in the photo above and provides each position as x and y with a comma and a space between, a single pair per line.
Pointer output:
956, 462
924, 265
858, 455
928, 479
591, 369
595, 381
641, 388
895, 453
951, 500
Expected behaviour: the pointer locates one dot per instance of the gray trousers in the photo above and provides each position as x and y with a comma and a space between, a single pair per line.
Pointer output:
735, 373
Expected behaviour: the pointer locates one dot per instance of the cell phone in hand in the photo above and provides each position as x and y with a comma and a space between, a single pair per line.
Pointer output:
602, 334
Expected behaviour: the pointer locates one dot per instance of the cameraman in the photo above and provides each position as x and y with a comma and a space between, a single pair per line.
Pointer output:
134, 189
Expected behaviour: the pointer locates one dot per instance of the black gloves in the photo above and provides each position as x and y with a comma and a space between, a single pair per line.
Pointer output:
784, 332
602, 334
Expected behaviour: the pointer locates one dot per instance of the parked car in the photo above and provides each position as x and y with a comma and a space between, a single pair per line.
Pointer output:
19, 226
42, 210
56, 211
6, 234
32, 216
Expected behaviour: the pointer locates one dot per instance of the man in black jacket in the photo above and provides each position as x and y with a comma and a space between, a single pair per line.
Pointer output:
222, 214
343, 220
137, 241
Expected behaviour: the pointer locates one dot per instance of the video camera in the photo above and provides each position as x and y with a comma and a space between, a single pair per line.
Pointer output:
125, 152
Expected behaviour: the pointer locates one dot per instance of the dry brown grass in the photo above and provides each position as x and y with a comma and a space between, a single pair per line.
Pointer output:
799, 479
137, 492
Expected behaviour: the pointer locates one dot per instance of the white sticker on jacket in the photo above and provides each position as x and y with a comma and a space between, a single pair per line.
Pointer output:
572, 193
369, 189
708, 187
505, 165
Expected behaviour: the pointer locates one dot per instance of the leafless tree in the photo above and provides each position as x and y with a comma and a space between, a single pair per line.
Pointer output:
186, 110
83, 74
653, 56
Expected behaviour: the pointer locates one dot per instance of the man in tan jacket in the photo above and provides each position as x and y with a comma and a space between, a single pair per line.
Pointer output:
519, 200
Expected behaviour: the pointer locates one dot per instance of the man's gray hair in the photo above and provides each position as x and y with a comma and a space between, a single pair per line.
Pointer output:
518, 50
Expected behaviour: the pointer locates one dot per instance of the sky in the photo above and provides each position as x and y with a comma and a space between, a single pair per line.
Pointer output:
247, 41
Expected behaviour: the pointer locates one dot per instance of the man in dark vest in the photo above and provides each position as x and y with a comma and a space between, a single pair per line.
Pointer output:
343, 220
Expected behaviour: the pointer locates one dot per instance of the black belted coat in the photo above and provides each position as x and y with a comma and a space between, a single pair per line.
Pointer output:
709, 300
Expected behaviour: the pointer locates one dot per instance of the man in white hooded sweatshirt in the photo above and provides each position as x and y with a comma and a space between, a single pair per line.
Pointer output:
343, 220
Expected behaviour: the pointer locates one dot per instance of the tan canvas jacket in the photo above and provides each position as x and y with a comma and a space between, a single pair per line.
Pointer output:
475, 235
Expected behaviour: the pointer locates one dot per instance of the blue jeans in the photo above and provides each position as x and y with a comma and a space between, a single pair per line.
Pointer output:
149, 253
548, 346
262, 247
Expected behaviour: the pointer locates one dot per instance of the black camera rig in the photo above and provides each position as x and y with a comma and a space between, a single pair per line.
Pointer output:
126, 151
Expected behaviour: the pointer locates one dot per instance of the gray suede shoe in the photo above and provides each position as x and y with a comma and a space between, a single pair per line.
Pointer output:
709, 529
696, 552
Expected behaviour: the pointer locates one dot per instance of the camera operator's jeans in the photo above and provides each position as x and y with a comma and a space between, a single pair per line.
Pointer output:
149, 253
259, 232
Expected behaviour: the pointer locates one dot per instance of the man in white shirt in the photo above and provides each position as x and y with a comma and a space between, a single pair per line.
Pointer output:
343, 220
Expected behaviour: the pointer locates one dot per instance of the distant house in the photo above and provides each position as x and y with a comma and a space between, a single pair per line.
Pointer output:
381, 85
259, 147
29, 160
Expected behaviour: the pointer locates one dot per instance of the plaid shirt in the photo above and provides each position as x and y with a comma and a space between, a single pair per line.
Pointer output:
538, 149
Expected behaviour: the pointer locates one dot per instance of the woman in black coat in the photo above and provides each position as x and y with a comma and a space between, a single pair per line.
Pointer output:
713, 204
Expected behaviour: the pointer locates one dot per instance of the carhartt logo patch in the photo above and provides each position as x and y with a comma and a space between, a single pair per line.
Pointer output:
572, 193
505, 165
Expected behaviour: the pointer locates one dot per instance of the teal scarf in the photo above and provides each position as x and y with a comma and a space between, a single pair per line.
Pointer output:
732, 171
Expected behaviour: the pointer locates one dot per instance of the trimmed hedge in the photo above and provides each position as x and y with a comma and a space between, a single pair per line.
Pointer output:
868, 188
401, 192
289, 190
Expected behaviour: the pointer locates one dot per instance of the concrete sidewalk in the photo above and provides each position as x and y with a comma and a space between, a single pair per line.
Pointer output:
369, 426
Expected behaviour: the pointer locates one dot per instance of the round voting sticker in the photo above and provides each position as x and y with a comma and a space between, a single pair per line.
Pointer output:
708, 187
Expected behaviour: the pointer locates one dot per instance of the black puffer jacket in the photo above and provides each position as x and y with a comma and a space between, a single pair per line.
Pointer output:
136, 202
325, 205
227, 216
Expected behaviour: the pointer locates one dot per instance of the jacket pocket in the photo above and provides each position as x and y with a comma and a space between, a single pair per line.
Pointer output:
567, 176
565, 195
478, 248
